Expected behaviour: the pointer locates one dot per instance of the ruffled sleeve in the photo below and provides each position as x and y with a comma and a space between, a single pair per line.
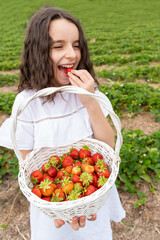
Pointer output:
25, 127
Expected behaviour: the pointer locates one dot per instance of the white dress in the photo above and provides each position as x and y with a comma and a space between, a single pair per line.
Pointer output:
52, 124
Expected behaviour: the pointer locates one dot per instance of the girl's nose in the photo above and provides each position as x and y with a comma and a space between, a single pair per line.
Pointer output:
70, 52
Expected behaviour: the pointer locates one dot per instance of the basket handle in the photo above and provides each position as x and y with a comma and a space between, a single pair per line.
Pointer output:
71, 89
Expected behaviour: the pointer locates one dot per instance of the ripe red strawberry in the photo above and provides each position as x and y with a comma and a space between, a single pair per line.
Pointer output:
63, 156
36, 176
75, 178
88, 160
47, 199
59, 185
67, 188
58, 196
35, 186
47, 187
100, 165
66, 177
45, 167
74, 153
37, 192
95, 180
52, 179
78, 163
104, 172
84, 152
76, 170
60, 174
89, 190
68, 169
67, 161
80, 195
45, 174
87, 168
68, 70
52, 171
67, 185
54, 160
97, 156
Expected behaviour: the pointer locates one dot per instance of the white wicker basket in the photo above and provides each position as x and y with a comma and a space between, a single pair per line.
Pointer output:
84, 206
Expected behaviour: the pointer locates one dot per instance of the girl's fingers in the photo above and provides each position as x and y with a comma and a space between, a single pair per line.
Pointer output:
82, 81
75, 223
93, 218
82, 74
82, 221
75, 79
58, 223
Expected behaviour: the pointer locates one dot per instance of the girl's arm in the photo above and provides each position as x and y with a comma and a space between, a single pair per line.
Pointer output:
24, 153
100, 126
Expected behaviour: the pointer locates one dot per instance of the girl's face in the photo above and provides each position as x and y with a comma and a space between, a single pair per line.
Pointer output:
65, 50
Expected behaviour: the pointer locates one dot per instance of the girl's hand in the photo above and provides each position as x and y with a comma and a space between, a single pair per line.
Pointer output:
76, 222
83, 79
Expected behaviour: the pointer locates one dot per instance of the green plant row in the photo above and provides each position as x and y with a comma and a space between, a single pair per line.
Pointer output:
112, 58
6, 102
131, 73
9, 65
8, 79
126, 46
140, 156
133, 97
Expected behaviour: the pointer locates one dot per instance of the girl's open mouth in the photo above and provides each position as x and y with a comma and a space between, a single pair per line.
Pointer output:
65, 68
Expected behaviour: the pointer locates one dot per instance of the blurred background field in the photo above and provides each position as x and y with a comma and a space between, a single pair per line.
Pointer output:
118, 31
124, 42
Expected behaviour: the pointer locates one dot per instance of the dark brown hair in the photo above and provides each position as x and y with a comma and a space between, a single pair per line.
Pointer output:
36, 69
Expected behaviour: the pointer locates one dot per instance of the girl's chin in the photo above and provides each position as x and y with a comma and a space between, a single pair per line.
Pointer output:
62, 78
61, 83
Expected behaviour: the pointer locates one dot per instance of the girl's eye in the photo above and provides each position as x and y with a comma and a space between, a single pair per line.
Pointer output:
76, 46
57, 47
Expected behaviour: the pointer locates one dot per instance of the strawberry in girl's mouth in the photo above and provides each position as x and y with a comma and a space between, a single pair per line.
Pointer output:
65, 68
68, 70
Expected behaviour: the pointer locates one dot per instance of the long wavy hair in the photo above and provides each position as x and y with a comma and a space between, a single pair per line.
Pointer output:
36, 69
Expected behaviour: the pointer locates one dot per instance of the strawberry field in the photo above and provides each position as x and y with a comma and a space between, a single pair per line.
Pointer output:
124, 43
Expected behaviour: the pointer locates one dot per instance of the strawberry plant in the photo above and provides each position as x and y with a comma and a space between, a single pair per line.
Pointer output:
140, 155
8, 163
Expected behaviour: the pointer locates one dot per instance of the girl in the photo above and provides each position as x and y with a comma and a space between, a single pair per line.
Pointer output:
54, 42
